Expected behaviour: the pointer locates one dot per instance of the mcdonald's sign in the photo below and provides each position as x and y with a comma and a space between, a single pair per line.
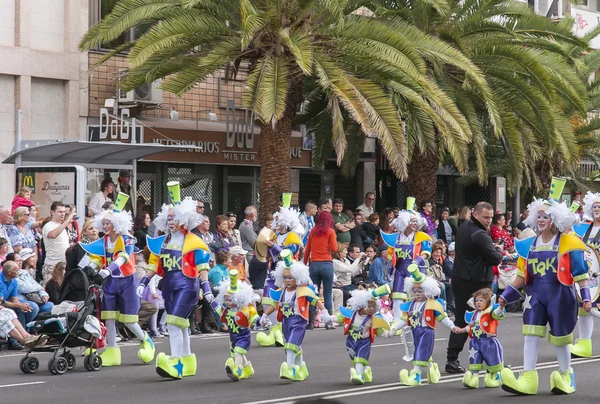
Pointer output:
29, 181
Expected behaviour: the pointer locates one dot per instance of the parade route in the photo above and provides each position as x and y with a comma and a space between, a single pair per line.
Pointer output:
328, 365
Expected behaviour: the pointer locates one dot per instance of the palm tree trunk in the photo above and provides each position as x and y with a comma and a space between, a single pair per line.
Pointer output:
422, 177
275, 141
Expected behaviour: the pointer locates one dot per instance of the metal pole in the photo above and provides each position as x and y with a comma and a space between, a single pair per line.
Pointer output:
18, 138
516, 207
134, 174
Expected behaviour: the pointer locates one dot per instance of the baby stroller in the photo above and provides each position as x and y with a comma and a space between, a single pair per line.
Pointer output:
81, 328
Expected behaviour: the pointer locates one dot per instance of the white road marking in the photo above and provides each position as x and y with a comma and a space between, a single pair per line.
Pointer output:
397, 386
20, 384
400, 343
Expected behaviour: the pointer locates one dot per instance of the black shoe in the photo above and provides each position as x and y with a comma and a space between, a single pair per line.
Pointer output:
15, 346
205, 329
311, 320
454, 367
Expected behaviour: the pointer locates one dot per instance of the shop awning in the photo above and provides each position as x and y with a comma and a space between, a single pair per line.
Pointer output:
84, 152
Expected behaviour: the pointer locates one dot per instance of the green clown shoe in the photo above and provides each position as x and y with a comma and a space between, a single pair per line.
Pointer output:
167, 366
410, 379
146, 351
368, 373
302, 372
471, 379
189, 365
288, 372
526, 385
582, 348
247, 371
562, 383
433, 373
355, 377
273, 338
111, 357
492, 380
278, 334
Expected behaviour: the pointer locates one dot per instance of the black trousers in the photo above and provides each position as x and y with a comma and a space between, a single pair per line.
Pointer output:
463, 290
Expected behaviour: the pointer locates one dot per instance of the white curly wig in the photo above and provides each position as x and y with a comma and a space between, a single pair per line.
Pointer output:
403, 220
561, 215
185, 214
298, 270
121, 221
360, 300
588, 202
429, 285
242, 298
288, 218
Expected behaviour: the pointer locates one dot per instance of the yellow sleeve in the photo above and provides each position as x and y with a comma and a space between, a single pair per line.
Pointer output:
522, 267
97, 260
152, 263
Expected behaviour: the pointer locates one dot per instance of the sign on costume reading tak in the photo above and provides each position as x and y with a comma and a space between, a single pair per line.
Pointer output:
49, 187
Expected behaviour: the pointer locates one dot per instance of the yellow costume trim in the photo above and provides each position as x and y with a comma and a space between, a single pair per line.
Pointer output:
123, 255
128, 318
153, 263
119, 245
582, 277
177, 321
570, 243
379, 323
267, 301
433, 304
399, 296
305, 291
522, 266
109, 315
560, 341
421, 236
203, 267
292, 238
192, 242
97, 260
534, 330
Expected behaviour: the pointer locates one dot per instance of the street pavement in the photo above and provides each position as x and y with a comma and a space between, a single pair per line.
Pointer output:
328, 364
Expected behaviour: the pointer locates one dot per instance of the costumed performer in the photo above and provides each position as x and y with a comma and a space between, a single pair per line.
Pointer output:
589, 232
405, 248
113, 254
484, 347
548, 265
362, 322
421, 312
292, 303
286, 233
180, 257
236, 307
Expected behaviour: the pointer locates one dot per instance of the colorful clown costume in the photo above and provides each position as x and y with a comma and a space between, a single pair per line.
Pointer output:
589, 233
484, 347
292, 307
180, 257
361, 324
549, 265
113, 254
285, 234
421, 314
237, 311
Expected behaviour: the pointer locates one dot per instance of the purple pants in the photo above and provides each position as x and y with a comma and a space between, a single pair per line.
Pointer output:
269, 283
240, 340
120, 297
294, 328
488, 350
359, 350
180, 294
553, 304
423, 338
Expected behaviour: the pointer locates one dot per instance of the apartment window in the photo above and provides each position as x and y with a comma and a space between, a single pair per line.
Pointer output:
100, 9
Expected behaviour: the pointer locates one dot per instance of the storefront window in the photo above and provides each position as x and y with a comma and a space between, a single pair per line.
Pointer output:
104, 8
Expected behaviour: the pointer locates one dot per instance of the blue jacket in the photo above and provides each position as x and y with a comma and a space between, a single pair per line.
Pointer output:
378, 272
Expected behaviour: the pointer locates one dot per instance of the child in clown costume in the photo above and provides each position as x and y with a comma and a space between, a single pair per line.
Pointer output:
589, 232
287, 232
361, 324
113, 254
405, 247
237, 311
292, 307
421, 313
549, 264
484, 346
180, 257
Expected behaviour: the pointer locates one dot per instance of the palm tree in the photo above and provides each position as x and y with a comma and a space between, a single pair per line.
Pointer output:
284, 44
534, 87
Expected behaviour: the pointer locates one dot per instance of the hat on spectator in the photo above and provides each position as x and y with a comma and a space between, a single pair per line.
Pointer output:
26, 253
451, 246
382, 248
124, 173
237, 250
